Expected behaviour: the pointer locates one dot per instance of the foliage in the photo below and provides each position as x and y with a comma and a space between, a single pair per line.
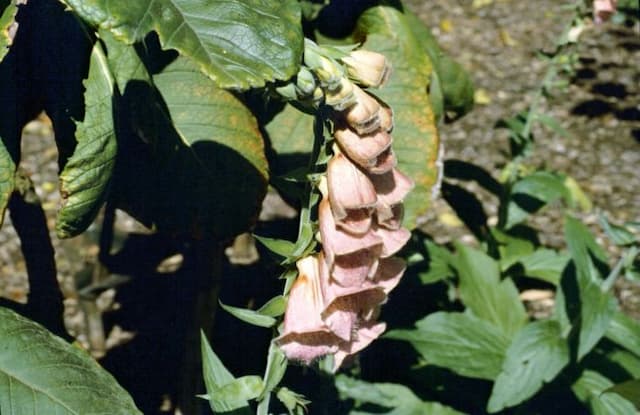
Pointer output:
183, 112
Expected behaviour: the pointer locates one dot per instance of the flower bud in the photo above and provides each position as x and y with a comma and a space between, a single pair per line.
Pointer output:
364, 116
288, 92
328, 71
341, 97
305, 82
367, 68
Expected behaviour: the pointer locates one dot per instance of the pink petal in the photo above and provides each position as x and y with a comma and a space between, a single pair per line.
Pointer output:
384, 162
343, 312
308, 347
389, 273
362, 149
389, 217
392, 240
364, 336
351, 195
338, 242
306, 300
392, 187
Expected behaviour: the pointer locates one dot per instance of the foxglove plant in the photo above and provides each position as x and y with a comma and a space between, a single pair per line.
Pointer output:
335, 301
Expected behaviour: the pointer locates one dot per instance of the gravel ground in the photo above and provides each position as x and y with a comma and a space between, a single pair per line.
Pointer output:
497, 43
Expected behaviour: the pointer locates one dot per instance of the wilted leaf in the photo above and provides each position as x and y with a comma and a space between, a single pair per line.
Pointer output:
536, 355
41, 374
459, 342
590, 389
387, 395
482, 291
7, 181
238, 44
386, 30
85, 178
8, 11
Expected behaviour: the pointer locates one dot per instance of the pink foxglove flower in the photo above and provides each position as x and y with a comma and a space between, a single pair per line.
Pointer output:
334, 304
305, 337
603, 10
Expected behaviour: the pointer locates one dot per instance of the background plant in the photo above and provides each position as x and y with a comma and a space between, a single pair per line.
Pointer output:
173, 111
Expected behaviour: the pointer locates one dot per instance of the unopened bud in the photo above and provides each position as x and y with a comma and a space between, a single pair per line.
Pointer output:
364, 116
305, 82
287, 91
328, 71
367, 68
342, 97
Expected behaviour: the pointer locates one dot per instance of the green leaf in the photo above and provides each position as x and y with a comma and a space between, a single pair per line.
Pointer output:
511, 248
591, 388
217, 377
42, 374
625, 331
544, 264
629, 390
386, 30
280, 247
531, 193
459, 342
438, 268
275, 370
238, 44
8, 11
589, 257
590, 307
85, 179
388, 395
193, 161
274, 307
619, 235
7, 179
482, 291
249, 316
552, 123
536, 355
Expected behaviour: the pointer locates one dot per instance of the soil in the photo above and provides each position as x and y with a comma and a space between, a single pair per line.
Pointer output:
498, 43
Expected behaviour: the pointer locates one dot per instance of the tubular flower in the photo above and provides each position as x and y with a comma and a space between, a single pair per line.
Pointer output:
367, 68
334, 304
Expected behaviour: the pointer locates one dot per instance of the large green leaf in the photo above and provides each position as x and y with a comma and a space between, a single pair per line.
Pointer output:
459, 342
589, 305
388, 395
7, 179
625, 331
193, 160
386, 30
629, 390
544, 264
237, 43
85, 178
482, 291
591, 388
8, 11
41, 374
449, 80
536, 355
